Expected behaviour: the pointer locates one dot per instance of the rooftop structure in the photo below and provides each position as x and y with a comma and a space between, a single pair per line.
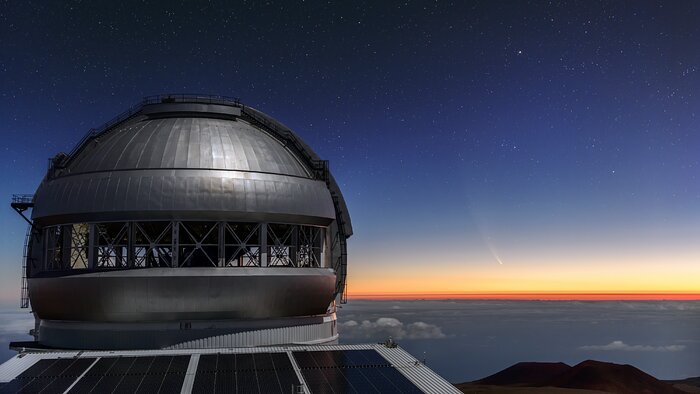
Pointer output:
187, 221
283, 369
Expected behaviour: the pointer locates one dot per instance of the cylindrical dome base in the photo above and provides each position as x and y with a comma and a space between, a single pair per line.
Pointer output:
195, 335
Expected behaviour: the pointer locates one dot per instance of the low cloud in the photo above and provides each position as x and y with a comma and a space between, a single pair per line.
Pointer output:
385, 327
15, 322
621, 346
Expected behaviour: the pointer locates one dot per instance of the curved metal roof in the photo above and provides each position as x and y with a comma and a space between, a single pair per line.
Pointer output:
190, 158
187, 142
185, 157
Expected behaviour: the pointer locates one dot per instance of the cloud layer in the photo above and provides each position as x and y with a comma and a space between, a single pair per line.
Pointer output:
385, 327
621, 346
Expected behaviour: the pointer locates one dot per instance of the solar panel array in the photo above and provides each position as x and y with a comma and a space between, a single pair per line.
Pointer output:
245, 373
324, 371
351, 371
48, 376
154, 374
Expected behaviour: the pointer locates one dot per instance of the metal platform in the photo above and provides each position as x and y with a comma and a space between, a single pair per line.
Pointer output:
371, 368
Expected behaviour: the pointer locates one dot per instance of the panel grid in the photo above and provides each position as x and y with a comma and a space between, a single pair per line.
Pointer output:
338, 369
48, 376
245, 373
351, 371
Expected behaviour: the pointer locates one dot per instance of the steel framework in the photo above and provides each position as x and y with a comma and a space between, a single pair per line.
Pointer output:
123, 245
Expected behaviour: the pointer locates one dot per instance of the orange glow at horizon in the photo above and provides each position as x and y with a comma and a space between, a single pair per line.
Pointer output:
533, 296
628, 277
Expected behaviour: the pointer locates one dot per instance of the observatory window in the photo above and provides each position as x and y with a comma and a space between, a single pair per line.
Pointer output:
124, 245
199, 244
241, 245
310, 246
294, 245
54, 247
79, 245
282, 245
67, 246
112, 244
152, 244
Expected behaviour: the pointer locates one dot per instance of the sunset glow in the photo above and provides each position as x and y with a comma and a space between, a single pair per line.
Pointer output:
630, 277
603, 296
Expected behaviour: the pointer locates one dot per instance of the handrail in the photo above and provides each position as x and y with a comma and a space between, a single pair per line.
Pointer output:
22, 198
319, 167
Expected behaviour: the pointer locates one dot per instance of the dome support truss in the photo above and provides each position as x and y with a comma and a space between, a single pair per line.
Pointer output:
123, 245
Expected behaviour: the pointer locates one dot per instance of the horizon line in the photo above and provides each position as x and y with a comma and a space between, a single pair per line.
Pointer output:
540, 295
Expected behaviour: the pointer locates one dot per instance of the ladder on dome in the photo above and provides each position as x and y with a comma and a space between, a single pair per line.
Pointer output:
24, 301
20, 203
341, 266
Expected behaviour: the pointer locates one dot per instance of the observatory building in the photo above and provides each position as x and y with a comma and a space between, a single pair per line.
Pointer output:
186, 222
193, 245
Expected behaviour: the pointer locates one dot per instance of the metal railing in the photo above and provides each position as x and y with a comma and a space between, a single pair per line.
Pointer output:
319, 168
157, 99
22, 198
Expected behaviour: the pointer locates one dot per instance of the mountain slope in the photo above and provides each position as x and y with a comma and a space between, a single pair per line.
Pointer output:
614, 378
589, 375
525, 374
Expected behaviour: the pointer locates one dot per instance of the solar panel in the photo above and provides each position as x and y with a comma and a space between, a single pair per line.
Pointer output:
351, 371
335, 370
267, 381
68, 376
380, 383
263, 361
176, 374
94, 375
245, 373
132, 375
226, 382
247, 382
244, 362
204, 382
48, 376
397, 379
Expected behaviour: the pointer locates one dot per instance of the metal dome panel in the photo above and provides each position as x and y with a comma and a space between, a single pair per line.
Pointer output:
183, 195
187, 142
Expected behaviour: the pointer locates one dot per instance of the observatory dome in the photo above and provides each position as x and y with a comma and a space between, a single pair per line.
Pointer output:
184, 220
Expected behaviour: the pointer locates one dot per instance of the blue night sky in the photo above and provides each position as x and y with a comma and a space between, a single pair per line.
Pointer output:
482, 146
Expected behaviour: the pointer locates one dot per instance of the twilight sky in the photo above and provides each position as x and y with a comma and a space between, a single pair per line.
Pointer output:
482, 146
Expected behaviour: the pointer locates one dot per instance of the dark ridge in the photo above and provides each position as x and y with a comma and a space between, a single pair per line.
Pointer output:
525, 374
614, 378
588, 375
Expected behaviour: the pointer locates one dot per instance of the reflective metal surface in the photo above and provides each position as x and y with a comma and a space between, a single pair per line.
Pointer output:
182, 167
333, 185
181, 294
183, 194
187, 142
198, 163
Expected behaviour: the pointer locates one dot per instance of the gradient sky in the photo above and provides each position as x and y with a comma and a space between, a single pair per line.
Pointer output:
485, 146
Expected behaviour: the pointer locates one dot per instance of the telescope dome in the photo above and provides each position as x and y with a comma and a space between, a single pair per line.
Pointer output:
187, 219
